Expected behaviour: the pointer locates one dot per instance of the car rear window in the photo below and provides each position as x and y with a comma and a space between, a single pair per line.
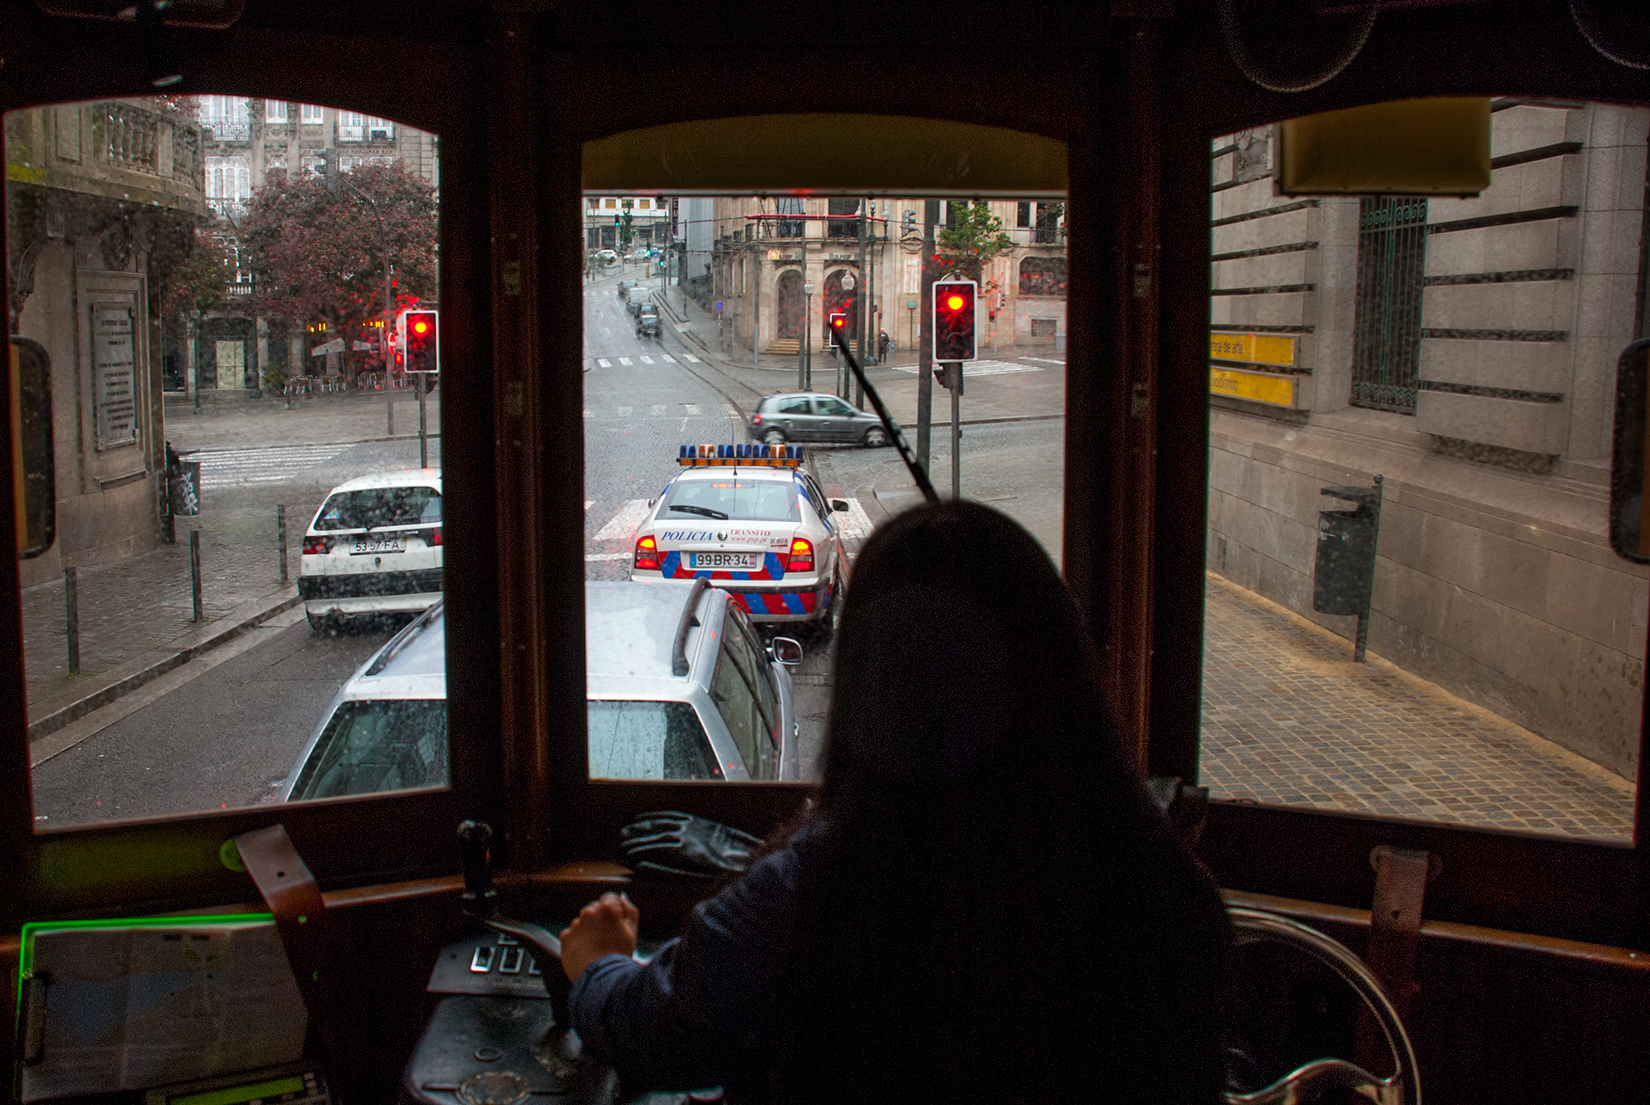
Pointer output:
380, 506
378, 745
746, 500
649, 740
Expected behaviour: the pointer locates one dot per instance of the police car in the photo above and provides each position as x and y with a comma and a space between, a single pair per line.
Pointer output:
751, 520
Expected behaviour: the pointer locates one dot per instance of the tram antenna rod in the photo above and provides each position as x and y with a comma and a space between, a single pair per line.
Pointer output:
894, 433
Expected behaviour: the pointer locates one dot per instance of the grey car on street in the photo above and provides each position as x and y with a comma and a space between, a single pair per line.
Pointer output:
813, 416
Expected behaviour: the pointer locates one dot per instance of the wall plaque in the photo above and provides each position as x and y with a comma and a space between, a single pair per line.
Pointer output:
114, 374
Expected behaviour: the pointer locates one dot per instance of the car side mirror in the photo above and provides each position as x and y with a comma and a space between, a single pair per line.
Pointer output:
840, 506
1629, 520
786, 651
34, 477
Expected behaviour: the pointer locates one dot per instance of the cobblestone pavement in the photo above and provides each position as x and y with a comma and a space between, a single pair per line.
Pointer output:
1289, 719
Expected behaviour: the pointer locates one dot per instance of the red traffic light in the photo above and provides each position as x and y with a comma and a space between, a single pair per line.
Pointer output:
422, 341
954, 308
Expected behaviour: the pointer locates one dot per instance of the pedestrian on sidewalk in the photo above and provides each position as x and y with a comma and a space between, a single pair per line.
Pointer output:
882, 345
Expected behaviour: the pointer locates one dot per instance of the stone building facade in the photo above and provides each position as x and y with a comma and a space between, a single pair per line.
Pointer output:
764, 251
102, 201
1465, 350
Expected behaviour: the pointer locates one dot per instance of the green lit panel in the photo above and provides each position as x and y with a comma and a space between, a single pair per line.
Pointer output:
235, 1095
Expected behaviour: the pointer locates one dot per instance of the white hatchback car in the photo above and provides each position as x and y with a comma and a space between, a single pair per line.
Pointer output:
374, 548
754, 522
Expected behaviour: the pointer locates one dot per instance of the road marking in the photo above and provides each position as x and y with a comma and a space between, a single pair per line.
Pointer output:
689, 357
667, 357
603, 362
606, 556
656, 410
692, 409
589, 414
979, 368
1045, 360
622, 526
624, 360
647, 360
588, 503
268, 464
624, 412
856, 523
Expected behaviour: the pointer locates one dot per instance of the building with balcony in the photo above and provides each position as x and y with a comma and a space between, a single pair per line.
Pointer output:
764, 251
243, 141
103, 199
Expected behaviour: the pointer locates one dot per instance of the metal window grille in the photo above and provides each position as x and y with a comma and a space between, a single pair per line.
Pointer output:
1392, 246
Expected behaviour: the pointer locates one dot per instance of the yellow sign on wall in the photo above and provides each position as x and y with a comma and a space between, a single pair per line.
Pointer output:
1257, 387
1254, 348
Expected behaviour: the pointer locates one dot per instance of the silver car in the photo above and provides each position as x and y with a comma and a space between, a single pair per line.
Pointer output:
679, 686
813, 416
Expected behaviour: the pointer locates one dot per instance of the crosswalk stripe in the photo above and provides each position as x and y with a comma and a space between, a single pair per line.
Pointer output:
646, 360
622, 526
692, 409
624, 360
624, 412
270, 464
657, 409
588, 503
603, 362
690, 357
667, 357
607, 556
1045, 360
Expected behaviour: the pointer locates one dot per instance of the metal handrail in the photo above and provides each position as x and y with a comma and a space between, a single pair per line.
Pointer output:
1403, 1087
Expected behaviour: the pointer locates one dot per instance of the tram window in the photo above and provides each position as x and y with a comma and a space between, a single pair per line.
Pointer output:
218, 293
699, 308
1448, 367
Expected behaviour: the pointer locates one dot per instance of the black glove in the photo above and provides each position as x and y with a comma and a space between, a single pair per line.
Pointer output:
685, 846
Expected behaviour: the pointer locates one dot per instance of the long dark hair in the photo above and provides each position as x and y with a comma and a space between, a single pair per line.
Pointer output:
993, 909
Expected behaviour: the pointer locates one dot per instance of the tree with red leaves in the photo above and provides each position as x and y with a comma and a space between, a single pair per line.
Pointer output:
318, 256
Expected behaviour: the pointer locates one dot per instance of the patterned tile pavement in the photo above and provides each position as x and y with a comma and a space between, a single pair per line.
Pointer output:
1289, 719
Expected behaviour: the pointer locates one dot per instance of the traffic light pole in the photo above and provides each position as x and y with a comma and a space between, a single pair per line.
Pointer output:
925, 343
953, 378
423, 437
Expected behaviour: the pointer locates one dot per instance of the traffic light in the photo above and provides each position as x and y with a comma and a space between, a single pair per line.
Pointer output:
329, 170
839, 329
422, 347
954, 320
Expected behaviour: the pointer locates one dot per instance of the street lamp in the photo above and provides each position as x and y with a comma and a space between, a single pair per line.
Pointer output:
806, 379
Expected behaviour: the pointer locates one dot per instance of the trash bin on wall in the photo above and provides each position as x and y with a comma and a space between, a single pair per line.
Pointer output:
1345, 566
184, 488
1343, 576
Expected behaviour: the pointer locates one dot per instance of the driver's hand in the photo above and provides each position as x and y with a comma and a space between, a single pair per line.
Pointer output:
607, 926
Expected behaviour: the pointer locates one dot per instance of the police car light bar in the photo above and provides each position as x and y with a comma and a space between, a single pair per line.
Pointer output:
750, 456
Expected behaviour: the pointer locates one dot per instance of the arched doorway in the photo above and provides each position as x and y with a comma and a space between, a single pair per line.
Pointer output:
790, 305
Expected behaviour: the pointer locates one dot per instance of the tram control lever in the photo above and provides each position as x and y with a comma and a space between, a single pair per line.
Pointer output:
475, 850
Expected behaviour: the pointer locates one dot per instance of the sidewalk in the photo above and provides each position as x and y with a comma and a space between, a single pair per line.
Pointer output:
135, 615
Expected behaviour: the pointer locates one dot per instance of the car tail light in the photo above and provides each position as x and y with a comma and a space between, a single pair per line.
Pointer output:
756, 419
435, 536
314, 546
647, 555
802, 556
